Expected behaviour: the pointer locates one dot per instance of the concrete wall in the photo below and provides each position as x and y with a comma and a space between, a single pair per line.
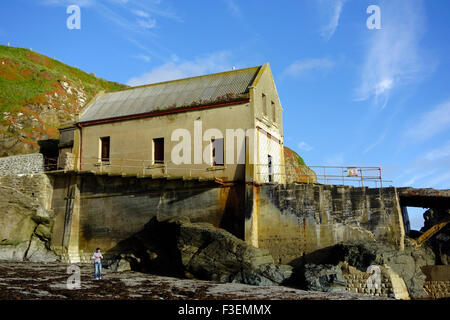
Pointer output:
107, 210
22, 164
295, 219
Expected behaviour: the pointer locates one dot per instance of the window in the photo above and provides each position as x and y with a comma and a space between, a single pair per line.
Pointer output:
270, 167
264, 104
274, 115
105, 148
217, 152
158, 150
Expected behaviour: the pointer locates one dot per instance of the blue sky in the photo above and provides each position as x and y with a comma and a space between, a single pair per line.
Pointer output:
351, 96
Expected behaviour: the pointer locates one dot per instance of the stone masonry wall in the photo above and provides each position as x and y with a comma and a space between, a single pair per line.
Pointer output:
437, 284
22, 164
386, 283
358, 284
437, 289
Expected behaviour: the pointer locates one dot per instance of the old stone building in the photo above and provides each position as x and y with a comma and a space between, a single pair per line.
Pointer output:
229, 123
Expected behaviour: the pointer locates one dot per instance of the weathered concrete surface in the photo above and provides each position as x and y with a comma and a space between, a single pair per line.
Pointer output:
100, 211
289, 220
25, 218
296, 219
437, 273
35, 281
424, 197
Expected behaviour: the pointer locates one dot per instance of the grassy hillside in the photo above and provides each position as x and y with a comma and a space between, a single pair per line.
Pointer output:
37, 94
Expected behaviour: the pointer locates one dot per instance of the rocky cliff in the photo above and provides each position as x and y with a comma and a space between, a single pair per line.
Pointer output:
26, 218
296, 169
37, 94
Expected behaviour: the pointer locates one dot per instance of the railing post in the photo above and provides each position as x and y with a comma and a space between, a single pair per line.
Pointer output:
381, 179
362, 178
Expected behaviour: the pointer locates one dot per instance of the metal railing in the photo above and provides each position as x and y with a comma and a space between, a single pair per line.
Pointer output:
350, 175
339, 175
142, 167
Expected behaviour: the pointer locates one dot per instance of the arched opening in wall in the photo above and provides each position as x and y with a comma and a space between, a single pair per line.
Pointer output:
416, 221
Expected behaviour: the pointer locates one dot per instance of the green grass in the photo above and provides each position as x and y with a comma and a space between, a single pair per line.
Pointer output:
35, 74
16, 93
300, 160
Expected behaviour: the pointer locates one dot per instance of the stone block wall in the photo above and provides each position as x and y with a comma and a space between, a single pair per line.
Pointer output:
384, 283
437, 289
22, 164
358, 284
437, 284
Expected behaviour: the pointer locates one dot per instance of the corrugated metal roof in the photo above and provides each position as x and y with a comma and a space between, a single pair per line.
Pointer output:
166, 95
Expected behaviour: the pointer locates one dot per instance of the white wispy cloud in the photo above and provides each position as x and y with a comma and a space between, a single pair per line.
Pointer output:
140, 13
377, 142
439, 153
234, 9
121, 12
179, 69
332, 10
304, 146
430, 123
147, 23
142, 57
417, 177
442, 180
300, 67
393, 54
431, 169
144, 20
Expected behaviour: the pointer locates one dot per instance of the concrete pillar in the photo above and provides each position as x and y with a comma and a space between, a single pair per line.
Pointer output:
72, 221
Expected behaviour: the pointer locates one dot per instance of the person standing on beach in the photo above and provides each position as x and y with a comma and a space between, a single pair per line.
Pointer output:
97, 257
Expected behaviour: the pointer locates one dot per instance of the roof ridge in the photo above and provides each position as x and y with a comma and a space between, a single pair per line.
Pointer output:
182, 79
